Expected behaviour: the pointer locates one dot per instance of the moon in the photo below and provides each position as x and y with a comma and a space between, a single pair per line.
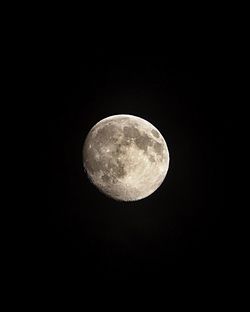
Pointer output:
125, 157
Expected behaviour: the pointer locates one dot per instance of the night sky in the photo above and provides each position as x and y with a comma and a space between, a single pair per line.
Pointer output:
179, 228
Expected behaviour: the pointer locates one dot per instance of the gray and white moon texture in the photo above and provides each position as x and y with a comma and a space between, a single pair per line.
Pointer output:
125, 157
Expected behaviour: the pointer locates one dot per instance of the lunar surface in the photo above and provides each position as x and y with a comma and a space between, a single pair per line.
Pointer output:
125, 157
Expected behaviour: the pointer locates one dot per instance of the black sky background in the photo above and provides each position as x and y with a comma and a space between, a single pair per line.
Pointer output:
180, 227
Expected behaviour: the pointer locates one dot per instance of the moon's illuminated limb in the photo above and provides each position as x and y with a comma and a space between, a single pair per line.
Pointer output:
126, 157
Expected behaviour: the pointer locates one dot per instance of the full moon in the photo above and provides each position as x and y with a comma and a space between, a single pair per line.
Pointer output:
125, 157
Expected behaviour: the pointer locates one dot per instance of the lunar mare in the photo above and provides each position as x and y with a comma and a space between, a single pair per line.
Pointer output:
125, 157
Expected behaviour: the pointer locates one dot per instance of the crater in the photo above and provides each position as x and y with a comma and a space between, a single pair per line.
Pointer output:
158, 147
106, 178
155, 133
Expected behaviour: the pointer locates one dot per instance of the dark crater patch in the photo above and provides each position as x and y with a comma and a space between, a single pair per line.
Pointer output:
119, 150
131, 132
158, 147
143, 141
112, 170
105, 135
151, 158
155, 133
106, 178
126, 142
118, 171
